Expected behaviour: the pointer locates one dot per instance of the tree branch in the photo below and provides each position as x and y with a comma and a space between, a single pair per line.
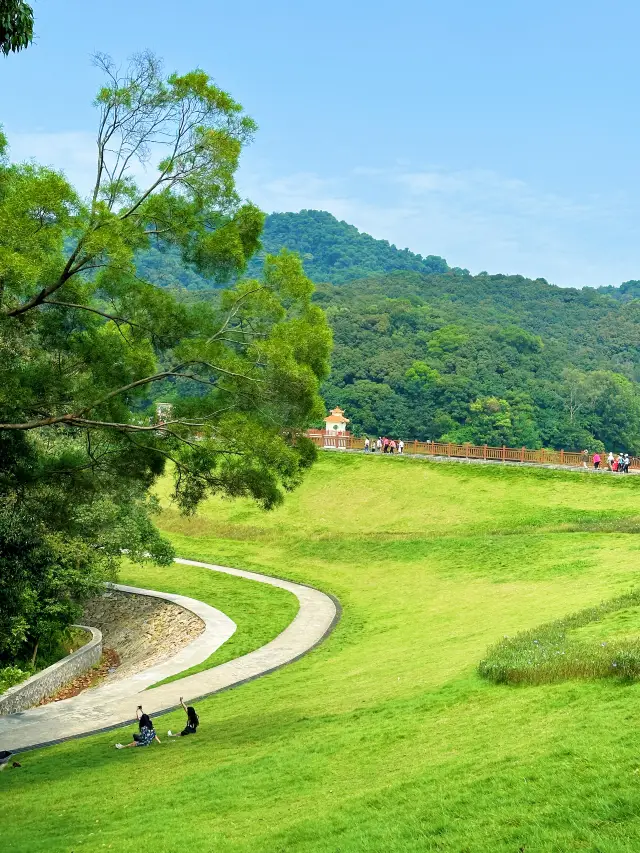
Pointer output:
94, 311
75, 418
68, 271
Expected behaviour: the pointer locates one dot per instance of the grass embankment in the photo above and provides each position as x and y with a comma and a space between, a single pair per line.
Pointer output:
384, 738
260, 612
597, 642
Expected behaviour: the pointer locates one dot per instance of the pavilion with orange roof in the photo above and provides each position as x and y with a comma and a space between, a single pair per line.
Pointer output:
336, 423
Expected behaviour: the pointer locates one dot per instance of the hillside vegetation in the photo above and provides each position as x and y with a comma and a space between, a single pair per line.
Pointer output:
335, 251
331, 250
424, 351
486, 359
385, 737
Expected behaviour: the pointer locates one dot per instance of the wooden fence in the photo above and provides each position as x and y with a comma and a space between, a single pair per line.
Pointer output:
470, 451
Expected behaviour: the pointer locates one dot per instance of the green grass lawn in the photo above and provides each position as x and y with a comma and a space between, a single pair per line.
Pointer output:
260, 612
384, 738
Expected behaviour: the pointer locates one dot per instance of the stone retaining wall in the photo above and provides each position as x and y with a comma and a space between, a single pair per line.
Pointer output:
50, 680
143, 630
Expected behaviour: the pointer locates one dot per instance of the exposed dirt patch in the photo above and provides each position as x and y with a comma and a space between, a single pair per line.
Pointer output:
141, 630
108, 664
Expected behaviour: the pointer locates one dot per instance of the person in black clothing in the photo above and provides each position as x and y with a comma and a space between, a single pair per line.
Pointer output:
193, 722
5, 755
147, 733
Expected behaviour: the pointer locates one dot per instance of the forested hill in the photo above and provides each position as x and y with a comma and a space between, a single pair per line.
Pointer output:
424, 351
335, 251
331, 250
496, 359
627, 292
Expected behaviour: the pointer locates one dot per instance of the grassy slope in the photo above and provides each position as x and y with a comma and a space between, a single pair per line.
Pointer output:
260, 612
384, 738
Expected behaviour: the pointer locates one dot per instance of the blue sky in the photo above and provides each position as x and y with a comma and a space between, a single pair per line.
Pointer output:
501, 135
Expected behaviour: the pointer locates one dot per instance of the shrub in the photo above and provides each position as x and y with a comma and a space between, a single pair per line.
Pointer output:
11, 675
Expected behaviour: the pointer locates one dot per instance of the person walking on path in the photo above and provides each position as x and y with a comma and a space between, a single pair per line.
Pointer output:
193, 721
620, 463
596, 460
379, 444
366, 445
392, 446
625, 463
146, 735
385, 445
401, 446
610, 460
585, 458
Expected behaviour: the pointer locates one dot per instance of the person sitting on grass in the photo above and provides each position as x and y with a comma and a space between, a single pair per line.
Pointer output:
5, 755
147, 733
192, 722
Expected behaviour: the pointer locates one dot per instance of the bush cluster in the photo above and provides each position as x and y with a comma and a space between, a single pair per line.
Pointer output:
11, 675
549, 653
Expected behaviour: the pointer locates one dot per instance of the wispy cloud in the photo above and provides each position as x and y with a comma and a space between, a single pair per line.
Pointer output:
477, 218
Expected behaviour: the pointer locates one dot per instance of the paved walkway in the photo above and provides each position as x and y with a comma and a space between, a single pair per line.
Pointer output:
114, 705
507, 463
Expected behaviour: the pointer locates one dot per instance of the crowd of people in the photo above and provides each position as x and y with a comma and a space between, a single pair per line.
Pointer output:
383, 445
618, 464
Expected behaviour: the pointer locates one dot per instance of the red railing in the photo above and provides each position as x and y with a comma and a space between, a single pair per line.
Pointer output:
469, 451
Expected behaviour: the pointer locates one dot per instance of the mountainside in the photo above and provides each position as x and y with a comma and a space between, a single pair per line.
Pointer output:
331, 250
335, 251
495, 359
425, 351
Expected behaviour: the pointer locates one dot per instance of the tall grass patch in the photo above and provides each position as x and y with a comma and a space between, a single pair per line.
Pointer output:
559, 650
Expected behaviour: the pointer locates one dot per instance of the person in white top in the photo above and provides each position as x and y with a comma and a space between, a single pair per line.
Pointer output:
610, 459
401, 446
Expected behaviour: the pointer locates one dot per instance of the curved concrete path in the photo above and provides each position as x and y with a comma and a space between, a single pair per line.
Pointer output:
110, 706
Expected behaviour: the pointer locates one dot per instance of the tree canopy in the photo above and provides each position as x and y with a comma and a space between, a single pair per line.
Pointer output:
16, 25
87, 345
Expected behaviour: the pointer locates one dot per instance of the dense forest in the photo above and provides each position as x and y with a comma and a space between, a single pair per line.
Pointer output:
429, 352
335, 251
627, 292
495, 359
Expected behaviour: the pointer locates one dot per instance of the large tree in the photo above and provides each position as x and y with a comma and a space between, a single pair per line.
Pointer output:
87, 346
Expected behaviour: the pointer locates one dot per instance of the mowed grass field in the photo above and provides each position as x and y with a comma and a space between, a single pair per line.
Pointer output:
384, 738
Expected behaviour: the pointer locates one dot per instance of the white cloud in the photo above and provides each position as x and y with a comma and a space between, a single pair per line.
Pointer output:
475, 218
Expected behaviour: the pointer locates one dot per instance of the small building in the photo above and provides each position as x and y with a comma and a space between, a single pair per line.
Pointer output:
336, 423
334, 433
